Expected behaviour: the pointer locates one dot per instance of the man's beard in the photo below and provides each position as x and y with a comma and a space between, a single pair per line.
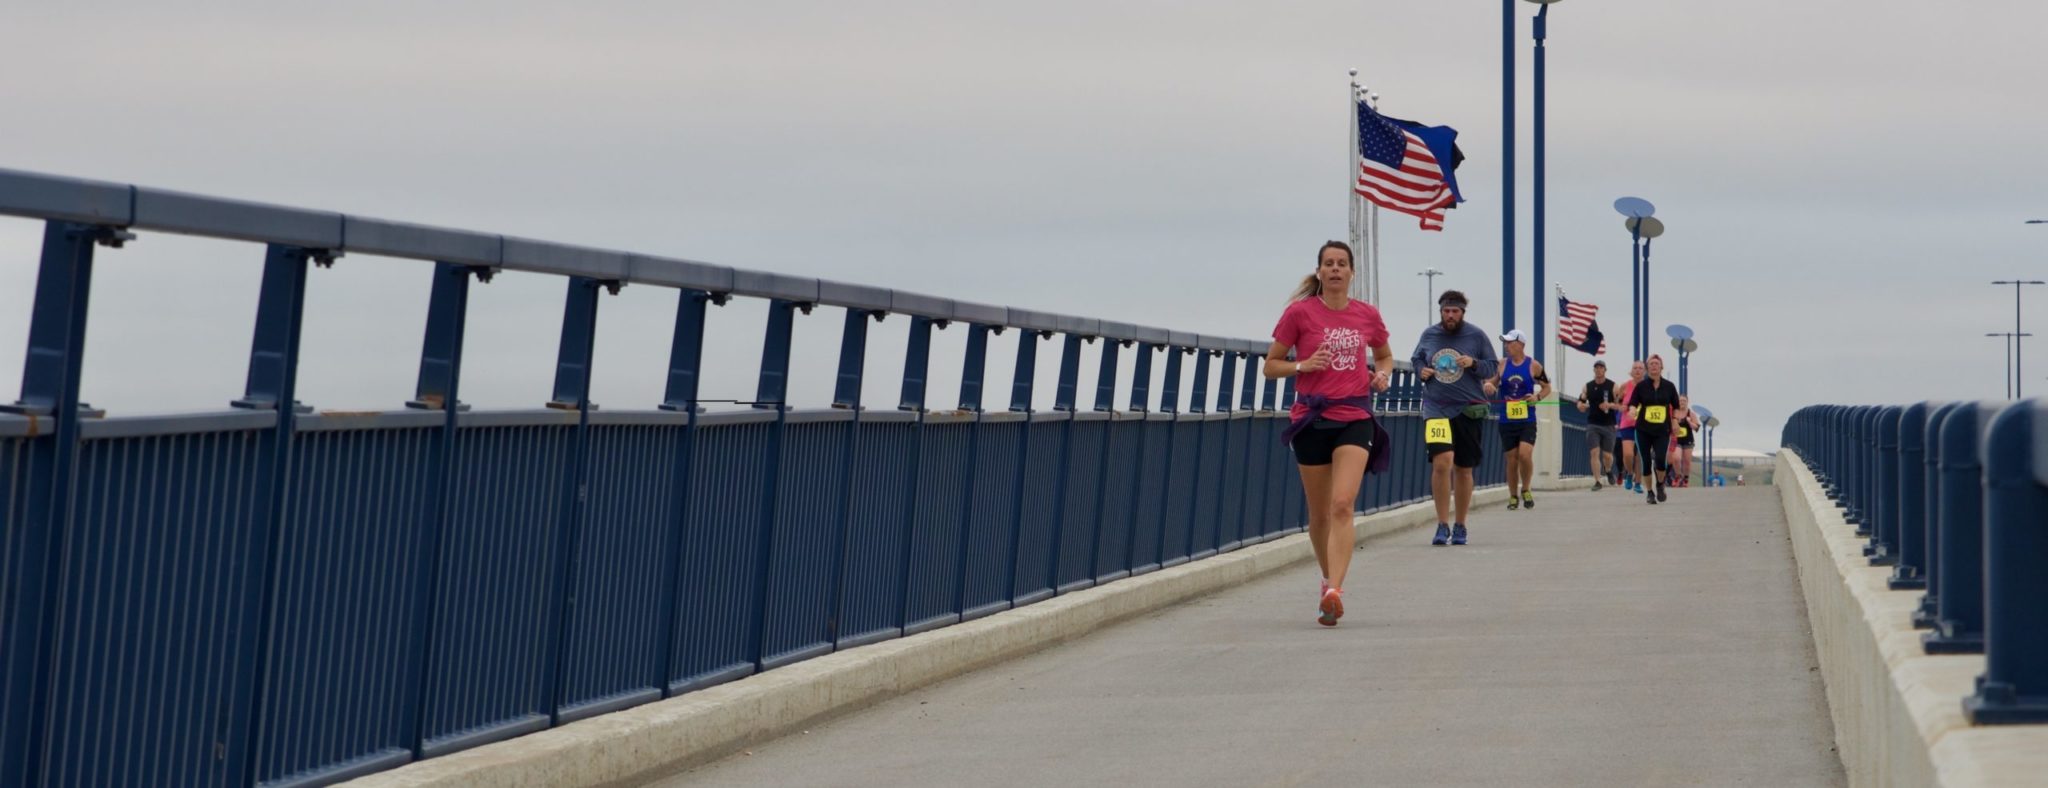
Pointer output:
1453, 324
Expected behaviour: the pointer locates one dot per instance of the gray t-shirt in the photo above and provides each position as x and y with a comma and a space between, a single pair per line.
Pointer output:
1453, 388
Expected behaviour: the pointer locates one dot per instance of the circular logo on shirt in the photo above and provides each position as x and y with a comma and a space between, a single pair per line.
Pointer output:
1445, 362
1514, 387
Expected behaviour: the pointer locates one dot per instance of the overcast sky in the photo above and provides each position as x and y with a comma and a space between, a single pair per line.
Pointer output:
1841, 180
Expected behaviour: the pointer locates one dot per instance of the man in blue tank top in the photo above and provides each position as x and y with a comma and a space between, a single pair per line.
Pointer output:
1522, 384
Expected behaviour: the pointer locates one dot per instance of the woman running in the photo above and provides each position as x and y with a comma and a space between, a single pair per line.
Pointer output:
1683, 424
1656, 398
1331, 428
1625, 434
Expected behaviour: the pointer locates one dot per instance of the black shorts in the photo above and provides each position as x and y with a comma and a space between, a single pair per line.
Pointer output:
1516, 432
1317, 444
1467, 434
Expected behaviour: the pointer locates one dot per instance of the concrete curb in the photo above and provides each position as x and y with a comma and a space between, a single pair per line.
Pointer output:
1897, 711
663, 737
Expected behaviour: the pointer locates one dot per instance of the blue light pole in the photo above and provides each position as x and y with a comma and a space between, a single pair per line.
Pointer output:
1536, 295
1636, 209
1507, 170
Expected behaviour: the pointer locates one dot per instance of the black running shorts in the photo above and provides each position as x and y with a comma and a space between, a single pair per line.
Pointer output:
1317, 445
1513, 433
1460, 435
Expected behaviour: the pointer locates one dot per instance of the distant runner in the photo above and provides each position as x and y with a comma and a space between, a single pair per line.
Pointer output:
1598, 402
1685, 425
1625, 432
1655, 398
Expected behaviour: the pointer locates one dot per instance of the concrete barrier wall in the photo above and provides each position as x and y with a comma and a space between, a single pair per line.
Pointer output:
645, 742
1897, 711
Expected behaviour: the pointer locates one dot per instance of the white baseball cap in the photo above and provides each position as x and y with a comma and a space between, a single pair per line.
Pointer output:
1514, 335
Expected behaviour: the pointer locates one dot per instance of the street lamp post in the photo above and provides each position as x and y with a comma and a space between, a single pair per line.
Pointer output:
1636, 209
1682, 341
1539, 32
1647, 228
2010, 377
1507, 170
2018, 368
1429, 290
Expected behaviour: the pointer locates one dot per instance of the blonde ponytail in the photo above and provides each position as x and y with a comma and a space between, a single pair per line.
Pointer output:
1310, 287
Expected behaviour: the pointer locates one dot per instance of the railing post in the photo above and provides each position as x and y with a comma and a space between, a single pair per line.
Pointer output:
441, 352
1910, 526
685, 366
1929, 610
1064, 396
975, 370
853, 357
773, 389
1270, 400
49, 388
2014, 686
572, 392
272, 384
1141, 378
1885, 531
1169, 389
1247, 398
771, 393
1201, 386
1227, 381
1027, 369
1959, 627
438, 388
917, 362
853, 353
1105, 375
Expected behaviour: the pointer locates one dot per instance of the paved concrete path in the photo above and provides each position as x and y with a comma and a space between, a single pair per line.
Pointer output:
1594, 640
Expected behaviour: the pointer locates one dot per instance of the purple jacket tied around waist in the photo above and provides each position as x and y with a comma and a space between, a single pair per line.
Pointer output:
1316, 404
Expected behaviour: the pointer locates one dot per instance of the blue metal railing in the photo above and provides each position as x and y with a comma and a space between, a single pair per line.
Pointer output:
1953, 496
1577, 460
271, 595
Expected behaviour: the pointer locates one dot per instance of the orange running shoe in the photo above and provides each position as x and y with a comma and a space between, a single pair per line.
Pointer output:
1332, 607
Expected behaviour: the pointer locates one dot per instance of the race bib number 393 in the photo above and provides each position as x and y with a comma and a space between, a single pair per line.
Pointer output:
1437, 431
1654, 414
1518, 410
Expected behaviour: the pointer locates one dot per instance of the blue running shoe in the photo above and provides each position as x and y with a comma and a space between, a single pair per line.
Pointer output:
1443, 534
1458, 534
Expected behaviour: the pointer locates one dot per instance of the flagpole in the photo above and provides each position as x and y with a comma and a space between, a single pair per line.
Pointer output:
1374, 212
1359, 277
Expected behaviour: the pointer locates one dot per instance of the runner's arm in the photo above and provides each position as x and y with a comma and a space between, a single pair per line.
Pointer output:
1542, 393
1277, 365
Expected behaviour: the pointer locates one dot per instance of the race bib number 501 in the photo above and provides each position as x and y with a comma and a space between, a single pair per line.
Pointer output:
1437, 431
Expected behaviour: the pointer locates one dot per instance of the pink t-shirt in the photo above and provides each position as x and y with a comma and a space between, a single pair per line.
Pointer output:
1627, 416
1308, 325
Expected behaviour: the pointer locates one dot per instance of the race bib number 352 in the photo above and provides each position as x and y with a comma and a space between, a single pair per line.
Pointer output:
1654, 414
1518, 410
1437, 431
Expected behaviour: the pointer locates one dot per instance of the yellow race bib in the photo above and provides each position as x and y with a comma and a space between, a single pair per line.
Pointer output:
1437, 431
1681, 431
1518, 410
1654, 414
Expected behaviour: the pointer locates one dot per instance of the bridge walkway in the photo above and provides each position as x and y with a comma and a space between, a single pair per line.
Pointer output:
1591, 641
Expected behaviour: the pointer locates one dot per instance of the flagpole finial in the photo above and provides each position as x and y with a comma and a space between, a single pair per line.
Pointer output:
1354, 73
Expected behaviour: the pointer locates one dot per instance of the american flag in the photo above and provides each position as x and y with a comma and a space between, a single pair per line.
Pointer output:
1398, 170
1577, 328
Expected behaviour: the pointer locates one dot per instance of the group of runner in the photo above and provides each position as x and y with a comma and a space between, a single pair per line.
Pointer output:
1336, 440
1651, 423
